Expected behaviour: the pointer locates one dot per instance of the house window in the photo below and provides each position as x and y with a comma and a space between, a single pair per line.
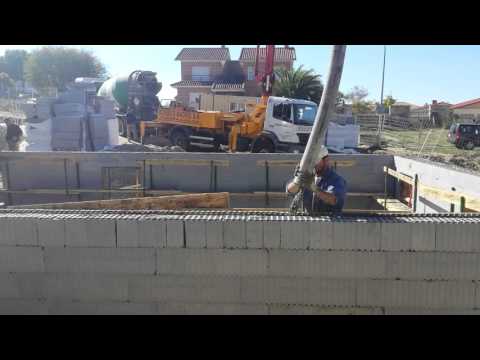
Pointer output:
237, 107
250, 73
200, 73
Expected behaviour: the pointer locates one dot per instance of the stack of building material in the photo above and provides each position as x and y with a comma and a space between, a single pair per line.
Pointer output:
103, 131
67, 127
342, 136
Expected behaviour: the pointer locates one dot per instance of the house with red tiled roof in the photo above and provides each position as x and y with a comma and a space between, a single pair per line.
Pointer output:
467, 108
211, 71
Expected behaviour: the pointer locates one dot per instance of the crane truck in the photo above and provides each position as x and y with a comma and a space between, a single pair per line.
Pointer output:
276, 124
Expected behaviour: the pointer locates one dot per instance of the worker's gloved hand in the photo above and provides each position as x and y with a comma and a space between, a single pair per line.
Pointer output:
304, 178
313, 186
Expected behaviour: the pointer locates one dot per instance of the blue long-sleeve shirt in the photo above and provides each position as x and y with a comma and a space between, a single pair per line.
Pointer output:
331, 183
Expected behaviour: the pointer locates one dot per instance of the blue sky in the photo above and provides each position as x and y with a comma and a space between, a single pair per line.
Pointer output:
414, 73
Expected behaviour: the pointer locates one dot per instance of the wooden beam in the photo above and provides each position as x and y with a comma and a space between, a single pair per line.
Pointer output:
173, 202
399, 176
293, 163
179, 162
471, 202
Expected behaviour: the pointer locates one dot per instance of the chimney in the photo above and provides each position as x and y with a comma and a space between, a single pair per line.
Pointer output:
434, 102
222, 46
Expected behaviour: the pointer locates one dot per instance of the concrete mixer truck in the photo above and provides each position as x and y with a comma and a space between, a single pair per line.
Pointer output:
135, 96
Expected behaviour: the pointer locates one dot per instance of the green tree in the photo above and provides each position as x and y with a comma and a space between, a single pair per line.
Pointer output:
6, 82
13, 62
58, 66
298, 83
389, 101
357, 97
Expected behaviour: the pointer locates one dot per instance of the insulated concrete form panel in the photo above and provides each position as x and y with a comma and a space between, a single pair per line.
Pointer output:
245, 262
90, 233
175, 233
86, 287
51, 232
21, 259
100, 308
307, 291
214, 234
195, 234
359, 235
462, 237
423, 236
243, 174
100, 260
184, 288
419, 311
6, 233
294, 235
234, 234
326, 264
416, 294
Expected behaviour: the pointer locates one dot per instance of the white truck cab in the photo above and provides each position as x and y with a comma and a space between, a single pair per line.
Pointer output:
288, 123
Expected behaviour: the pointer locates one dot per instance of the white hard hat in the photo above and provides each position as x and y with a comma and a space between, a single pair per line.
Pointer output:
321, 154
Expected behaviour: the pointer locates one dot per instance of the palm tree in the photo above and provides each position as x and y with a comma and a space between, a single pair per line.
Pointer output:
298, 84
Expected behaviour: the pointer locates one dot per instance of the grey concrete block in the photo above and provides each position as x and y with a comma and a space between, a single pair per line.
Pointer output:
21, 259
195, 234
410, 265
320, 235
90, 233
234, 234
24, 231
86, 287
457, 266
457, 237
423, 236
284, 290
271, 234
416, 294
153, 233
245, 262
294, 235
175, 233
51, 232
420, 311
6, 233
254, 231
327, 264
356, 235
23, 307
278, 309
214, 234
22, 286
127, 233
225, 309
396, 236
184, 288
101, 308
100, 260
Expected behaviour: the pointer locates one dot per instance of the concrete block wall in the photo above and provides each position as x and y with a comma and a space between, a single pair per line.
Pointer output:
173, 264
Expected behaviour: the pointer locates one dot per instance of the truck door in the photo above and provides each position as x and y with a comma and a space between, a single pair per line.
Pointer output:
279, 121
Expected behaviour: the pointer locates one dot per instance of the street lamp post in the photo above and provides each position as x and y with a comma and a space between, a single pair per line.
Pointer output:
383, 73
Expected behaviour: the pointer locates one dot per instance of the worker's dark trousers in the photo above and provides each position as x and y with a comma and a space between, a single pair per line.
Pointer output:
13, 145
132, 131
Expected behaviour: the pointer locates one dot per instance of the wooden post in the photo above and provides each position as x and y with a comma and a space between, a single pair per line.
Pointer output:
385, 189
415, 193
462, 204
452, 208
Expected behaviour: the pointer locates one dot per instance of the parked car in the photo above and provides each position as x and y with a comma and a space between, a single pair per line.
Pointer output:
464, 136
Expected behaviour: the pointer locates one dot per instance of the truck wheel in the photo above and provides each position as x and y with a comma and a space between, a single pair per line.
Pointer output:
179, 138
263, 146
469, 145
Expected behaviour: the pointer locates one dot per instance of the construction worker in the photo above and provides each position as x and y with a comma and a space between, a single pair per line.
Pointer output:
14, 135
327, 191
132, 126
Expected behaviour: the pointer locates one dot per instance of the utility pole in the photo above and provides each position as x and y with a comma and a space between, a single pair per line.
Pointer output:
383, 74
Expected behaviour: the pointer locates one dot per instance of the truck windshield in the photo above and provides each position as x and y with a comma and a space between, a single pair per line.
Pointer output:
304, 114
